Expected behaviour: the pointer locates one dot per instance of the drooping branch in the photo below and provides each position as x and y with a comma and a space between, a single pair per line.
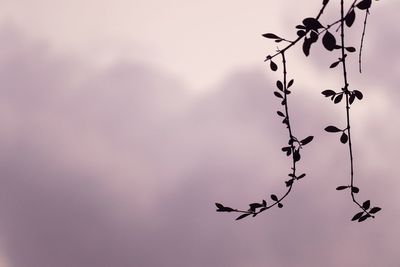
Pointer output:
309, 31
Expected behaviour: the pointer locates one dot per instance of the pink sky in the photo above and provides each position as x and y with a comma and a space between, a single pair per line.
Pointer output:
124, 121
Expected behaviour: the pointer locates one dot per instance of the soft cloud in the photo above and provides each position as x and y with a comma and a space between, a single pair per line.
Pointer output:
121, 166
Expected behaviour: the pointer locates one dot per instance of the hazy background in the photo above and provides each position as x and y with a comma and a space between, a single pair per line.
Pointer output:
122, 122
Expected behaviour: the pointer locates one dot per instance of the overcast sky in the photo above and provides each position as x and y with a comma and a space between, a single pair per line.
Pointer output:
122, 122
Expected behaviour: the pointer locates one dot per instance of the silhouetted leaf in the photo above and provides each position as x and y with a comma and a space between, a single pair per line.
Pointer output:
334, 64
365, 4
301, 176
301, 27
344, 138
274, 197
273, 66
264, 203
289, 183
271, 36
338, 98
255, 205
357, 216
242, 216
219, 205
290, 83
280, 114
279, 85
221, 208
351, 49
329, 41
350, 18
358, 94
363, 218
307, 140
352, 98
332, 129
366, 204
313, 37
342, 187
328, 93
277, 94
296, 155
312, 24
355, 190
280, 205
288, 150
301, 33
306, 46
374, 210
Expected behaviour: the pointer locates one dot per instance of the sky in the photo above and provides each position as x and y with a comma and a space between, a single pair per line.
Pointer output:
123, 122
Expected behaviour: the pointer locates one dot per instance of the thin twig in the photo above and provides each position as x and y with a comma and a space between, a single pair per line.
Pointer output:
362, 39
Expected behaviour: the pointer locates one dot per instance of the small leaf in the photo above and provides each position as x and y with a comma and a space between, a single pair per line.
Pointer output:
219, 205
306, 46
344, 138
363, 218
357, 216
280, 205
264, 203
280, 113
273, 66
313, 37
329, 41
338, 98
242, 216
289, 183
350, 18
301, 176
301, 27
355, 190
307, 140
301, 33
365, 4
366, 204
274, 197
254, 206
328, 93
332, 129
374, 210
350, 49
277, 94
296, 155
290, 83
271, 36
352, 98
342, 187
279, 85
312, 24
358, 94
334, 64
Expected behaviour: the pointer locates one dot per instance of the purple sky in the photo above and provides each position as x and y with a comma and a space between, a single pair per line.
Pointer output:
122, 122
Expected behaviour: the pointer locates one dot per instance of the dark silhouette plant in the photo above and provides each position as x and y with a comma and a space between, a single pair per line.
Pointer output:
309, 32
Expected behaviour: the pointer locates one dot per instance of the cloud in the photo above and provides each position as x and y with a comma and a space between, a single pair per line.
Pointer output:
121, 167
